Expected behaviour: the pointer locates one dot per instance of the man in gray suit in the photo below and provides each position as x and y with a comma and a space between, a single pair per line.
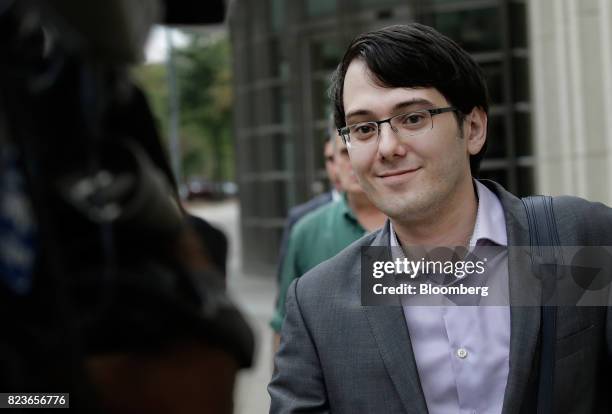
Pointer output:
412, 107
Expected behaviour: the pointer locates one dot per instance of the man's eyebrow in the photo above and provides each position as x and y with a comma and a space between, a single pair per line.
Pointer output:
411, 102
400, 105
358, 112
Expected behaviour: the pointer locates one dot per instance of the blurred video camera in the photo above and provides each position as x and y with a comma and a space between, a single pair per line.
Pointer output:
101, 277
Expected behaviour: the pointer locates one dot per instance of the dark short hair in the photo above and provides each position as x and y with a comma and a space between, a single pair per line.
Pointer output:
415, 55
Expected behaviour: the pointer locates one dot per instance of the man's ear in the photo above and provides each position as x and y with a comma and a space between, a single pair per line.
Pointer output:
476, 130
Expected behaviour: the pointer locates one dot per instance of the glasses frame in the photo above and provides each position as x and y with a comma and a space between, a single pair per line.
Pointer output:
346, 138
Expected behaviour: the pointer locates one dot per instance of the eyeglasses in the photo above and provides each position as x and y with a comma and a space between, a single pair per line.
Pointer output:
365, 134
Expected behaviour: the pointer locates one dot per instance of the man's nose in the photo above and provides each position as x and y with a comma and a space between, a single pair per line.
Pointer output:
389, 143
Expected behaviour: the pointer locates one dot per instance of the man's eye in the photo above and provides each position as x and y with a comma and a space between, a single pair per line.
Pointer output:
363, 129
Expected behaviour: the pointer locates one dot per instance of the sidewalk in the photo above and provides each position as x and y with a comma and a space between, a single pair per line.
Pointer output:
255, 296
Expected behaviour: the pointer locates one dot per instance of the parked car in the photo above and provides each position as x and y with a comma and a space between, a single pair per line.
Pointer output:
204, 189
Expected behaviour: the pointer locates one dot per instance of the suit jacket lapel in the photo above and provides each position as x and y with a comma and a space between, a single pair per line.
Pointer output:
390, 332
388, 324
524, 320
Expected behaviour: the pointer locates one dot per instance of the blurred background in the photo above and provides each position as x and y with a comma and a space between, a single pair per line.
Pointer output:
244, 106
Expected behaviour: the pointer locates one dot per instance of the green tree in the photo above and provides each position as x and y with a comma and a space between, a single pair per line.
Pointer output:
204, 83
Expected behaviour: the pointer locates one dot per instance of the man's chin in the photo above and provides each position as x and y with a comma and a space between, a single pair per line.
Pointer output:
390, 205
401, 206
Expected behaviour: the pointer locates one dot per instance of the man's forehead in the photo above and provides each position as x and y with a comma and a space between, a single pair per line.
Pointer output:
362, 95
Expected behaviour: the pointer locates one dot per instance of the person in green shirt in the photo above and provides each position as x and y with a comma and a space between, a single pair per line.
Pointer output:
326, 231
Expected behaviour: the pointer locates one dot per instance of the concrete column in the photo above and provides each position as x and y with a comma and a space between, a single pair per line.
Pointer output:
572, 96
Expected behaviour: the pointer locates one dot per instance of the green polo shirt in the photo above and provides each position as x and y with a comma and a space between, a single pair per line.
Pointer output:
317, 237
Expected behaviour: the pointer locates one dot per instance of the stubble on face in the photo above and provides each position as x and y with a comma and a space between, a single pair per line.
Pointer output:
433, 189
440, 155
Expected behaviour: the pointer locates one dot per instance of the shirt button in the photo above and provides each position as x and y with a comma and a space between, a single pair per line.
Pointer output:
462, 353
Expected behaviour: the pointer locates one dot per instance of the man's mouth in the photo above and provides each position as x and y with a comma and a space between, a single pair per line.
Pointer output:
398, 173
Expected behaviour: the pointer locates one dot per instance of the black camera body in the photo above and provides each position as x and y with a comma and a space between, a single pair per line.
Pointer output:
101, 200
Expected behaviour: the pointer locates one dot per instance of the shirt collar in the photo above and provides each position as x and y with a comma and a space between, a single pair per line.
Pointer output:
345, 209
335, 195
490, 221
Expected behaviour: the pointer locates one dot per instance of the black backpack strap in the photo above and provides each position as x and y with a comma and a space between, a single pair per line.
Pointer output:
543, 233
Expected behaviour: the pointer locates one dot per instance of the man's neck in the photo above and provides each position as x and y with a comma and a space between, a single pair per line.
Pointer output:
366, 213
450, 225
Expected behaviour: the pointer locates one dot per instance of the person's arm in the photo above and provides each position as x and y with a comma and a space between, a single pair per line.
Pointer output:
289, 272
284, 244
297, 384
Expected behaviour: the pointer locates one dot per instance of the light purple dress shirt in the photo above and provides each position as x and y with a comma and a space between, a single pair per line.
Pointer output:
462, 352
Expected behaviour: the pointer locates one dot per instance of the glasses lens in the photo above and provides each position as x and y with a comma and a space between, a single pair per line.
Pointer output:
363, 132
413, 123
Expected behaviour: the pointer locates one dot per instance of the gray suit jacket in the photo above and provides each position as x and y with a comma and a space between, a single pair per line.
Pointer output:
338, 356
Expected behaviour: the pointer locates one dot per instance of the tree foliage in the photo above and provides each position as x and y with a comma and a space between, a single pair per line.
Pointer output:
204, 82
